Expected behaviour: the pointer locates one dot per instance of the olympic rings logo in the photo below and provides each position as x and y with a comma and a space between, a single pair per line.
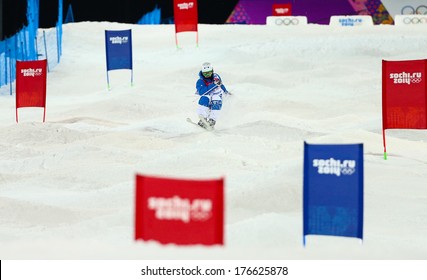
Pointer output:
409, 10
415, 20
200, 215
287, 21
347, 170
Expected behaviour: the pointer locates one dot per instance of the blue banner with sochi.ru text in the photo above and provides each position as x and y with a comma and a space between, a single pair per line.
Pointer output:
118, 49
333, 190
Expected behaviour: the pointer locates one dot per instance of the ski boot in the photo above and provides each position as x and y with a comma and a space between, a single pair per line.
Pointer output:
211, 123
203, 123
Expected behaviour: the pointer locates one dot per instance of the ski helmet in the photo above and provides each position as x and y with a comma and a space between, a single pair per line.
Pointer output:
207, 70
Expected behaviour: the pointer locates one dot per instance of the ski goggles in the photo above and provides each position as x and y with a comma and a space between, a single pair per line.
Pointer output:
207, 74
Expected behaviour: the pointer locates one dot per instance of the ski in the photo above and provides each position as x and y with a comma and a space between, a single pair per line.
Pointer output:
208, 127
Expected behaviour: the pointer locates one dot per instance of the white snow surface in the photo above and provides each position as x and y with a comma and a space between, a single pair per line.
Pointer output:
67, 185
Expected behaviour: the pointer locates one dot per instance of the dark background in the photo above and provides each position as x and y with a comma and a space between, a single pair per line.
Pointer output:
13, 16
124, 11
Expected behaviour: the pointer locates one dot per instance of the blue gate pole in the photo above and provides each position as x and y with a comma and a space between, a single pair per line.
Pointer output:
57, 42
23, 56
108, 82
45, 50
131, 78
10, 70
37, 48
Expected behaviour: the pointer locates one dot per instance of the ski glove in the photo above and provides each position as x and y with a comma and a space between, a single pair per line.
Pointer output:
217, 81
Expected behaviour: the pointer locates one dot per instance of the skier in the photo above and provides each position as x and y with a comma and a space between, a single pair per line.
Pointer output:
210, 88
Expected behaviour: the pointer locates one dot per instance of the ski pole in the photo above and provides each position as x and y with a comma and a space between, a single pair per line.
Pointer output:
209, 90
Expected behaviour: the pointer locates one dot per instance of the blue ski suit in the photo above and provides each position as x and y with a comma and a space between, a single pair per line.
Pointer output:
210, 102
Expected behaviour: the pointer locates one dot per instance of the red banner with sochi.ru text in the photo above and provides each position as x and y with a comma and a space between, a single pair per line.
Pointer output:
282, 9
31, 78
404, 94
182, 212
185, 15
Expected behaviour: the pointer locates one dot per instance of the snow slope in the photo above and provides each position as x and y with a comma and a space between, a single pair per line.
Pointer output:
67, 185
